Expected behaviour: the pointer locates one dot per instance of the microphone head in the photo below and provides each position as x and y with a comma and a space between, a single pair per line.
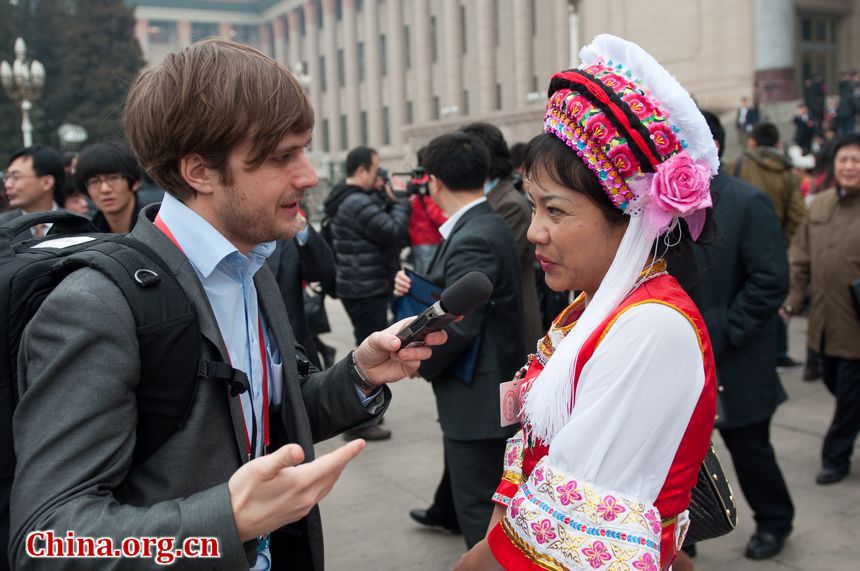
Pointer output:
467, 293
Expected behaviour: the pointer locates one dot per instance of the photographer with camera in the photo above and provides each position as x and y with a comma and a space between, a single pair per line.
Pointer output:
426, 218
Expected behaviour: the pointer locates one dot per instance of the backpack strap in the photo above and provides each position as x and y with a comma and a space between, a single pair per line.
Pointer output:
168, 332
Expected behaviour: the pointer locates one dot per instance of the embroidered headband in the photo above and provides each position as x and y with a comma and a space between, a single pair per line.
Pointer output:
638, 131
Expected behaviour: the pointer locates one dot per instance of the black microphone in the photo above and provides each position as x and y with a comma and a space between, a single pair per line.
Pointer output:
460, 298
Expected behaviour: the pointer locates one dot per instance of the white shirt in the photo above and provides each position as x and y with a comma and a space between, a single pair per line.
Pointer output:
446, 228
633, 402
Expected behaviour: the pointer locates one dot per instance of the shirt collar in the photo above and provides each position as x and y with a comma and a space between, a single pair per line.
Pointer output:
490, 185
446, 228
201, 243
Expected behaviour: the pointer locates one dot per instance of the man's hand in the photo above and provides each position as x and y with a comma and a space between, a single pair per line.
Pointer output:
274, 490
380, 359
402, 284
479, 558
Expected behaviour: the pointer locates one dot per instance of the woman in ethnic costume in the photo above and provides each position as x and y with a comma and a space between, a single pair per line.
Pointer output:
618, 401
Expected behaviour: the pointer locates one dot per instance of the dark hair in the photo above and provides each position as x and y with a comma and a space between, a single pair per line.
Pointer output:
359, 157
765, 135
839, 144
518, 154
459, 160
717, 131
106, 158
547, 155
500, 154
46, 161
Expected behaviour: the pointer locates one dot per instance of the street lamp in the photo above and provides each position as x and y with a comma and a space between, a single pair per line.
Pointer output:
23, 84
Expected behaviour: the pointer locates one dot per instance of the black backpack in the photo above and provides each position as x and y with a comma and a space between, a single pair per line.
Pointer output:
171, 343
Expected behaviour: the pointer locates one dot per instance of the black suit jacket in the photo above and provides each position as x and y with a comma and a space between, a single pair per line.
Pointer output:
742, 279
482, 241
292, 264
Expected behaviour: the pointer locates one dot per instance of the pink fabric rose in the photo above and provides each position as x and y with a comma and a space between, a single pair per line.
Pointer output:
680, 187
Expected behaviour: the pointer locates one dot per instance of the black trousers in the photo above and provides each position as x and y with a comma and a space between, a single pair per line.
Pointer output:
474, 470
759, 476
842, 379
368, 314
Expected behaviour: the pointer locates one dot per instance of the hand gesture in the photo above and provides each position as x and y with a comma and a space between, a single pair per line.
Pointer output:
274, 490
402, 284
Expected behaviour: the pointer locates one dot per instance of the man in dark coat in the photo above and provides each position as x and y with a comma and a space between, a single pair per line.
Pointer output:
741, 279
474, 238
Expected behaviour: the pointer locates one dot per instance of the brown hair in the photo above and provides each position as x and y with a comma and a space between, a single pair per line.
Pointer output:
207, 99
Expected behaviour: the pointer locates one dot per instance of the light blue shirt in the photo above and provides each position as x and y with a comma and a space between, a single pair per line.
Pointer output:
227, 277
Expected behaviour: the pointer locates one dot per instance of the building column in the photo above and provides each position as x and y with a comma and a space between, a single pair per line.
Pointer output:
453, 50
396, 72
562, 35
183, 33
293, 33
774, 58
141, 32
224, 29
266, 39
523, 52
312, 51
423, 63
279, 33
486, 46
373, 74
332, 95
351, 88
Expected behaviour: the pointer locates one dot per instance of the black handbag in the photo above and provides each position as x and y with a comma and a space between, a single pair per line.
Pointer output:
315, 312
712, 506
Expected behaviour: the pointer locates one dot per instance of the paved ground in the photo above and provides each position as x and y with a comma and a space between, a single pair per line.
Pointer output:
367, 527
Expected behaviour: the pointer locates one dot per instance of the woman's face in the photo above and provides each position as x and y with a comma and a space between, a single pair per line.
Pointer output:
574, 243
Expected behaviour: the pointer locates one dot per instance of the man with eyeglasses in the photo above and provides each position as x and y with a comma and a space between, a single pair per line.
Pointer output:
109, 174
33, 181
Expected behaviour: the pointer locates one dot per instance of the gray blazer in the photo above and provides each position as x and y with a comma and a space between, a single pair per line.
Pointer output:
74, 427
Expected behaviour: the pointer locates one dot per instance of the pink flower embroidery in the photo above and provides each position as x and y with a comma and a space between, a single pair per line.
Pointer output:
513, 454
538, 475
647, 563
568, 493
614, 81
543, 531
653, 521
600, 129
663, 137
623, 160
596, 554
515, 507
576, 107
609, 508
639, 104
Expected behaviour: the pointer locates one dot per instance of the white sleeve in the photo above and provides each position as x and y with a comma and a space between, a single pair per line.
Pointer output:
633, 402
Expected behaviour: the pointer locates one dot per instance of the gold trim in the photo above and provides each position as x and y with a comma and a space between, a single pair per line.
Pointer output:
660, 302
539, 559
512, 477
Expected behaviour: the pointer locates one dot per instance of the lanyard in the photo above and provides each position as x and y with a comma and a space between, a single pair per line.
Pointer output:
250, 439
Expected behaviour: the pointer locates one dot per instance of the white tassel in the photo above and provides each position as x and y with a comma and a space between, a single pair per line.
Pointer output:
663, 87
547, 404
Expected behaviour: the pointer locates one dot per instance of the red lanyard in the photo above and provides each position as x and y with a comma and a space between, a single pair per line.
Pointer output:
159, 223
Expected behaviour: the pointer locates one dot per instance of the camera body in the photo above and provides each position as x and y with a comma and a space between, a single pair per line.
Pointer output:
410, 183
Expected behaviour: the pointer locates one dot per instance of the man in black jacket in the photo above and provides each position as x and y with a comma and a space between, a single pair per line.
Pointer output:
474, 238
369, 230
741, 279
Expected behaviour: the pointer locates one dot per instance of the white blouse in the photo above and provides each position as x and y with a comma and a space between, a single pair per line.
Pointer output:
633, 402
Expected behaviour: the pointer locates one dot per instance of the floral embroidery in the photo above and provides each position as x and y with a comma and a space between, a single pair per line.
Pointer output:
596, 554
609, 508
537, 476
653, 521
639, 104
568, 493
663, 138
543, 531
599, 128
512, 456
623, 160
515, 507
646, 563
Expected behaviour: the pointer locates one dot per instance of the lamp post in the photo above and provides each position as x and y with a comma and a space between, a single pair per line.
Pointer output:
23, 83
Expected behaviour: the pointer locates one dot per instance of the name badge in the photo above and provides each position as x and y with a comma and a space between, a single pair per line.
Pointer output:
509, 402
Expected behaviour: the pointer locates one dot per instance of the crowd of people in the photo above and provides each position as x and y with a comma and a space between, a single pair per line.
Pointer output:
642, 286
